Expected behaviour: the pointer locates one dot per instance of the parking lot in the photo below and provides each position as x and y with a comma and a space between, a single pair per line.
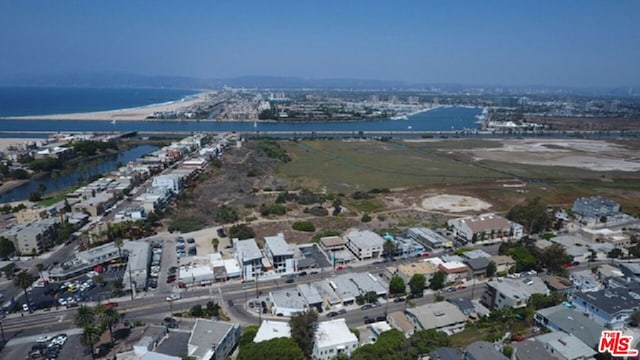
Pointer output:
316, 254
54, 348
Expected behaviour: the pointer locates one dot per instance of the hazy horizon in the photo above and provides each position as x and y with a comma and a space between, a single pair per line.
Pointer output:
498, 43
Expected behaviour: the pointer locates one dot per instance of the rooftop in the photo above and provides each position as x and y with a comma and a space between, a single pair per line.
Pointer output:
206, 335
521, 288
247, 250
333, 333
436, 315
331, 241
569, 346
479, 263
502, 259
365, 239
574, 323
482, 350
486, 223
278, 245
310, 293
529, 350
270, 329
475, 254
288, 298
612, 300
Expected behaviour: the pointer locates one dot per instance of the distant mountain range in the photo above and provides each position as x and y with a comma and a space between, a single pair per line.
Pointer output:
129, 80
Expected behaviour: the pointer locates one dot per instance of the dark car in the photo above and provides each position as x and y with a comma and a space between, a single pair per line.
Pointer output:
230, 302
193, 251
398, 300
366, 307
191, 240
264, 304
342, 311
381, 318
221, 232
368, 320
302, 273
289, 280
171, 278
332, 314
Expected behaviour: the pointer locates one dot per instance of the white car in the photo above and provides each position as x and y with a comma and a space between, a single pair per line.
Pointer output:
43, 339
173, 297
25, 307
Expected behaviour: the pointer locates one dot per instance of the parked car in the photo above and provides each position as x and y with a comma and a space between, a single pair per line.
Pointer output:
110, 304
221, 232
399, 300
368, 320
332, 314
342, 311
366, 307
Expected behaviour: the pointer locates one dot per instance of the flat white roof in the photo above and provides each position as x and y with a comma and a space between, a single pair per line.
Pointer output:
278, 245
270, 329
365, 239
333, 333
247, 249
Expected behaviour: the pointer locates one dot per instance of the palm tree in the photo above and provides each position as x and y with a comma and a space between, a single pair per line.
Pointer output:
118, 243
98, 279
117, 286
90, 337
388, 248
84, 317
215, 242
108, 317
40, 267
24, 280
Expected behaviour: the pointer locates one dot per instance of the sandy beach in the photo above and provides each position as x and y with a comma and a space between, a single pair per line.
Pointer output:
130, 114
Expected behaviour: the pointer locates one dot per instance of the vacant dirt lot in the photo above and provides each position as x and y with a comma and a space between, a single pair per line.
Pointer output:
594, 155
454, 203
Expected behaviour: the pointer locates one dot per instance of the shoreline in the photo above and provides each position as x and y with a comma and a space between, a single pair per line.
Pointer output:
138, 113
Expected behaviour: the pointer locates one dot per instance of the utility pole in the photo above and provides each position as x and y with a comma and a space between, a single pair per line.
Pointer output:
2, 329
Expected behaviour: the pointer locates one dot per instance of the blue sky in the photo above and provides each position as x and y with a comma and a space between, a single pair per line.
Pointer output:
566, 43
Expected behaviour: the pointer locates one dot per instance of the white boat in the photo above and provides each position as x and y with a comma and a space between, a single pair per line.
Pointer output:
113, 122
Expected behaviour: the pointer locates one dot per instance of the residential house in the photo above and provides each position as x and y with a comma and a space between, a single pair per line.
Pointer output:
477, 267
482, 350
515, 293
365, 244
485, 227
465, 305
595, 207
249, 257
406, 271
565, 347
333, 338
610, 307
585, 281
280, 254
475, 254
213, 340
557, 283
401, 322
530, 350
441, 316
446, 353
563, 319
503, 263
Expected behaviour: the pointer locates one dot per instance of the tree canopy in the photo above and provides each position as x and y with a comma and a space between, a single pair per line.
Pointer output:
392, 345
532, 215
417, 284
437, 282
397, 286
303, 327
274, 349
242, 232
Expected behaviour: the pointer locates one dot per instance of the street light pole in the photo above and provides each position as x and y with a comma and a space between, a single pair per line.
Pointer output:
2, 329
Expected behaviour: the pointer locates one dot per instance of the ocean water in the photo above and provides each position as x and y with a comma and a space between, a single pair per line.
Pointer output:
22, 101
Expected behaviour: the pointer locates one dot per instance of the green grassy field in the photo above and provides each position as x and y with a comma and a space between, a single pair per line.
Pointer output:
349, 166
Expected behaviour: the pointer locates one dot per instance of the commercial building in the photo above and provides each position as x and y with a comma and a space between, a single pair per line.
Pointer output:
196, 275
485, 227
333, 243
85, 261
442, 316
428, 237
280, 254
333, 338
213, 340
287, 302
455, 271
249, 258
365, 244
514, 293
138, 259
348, 286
